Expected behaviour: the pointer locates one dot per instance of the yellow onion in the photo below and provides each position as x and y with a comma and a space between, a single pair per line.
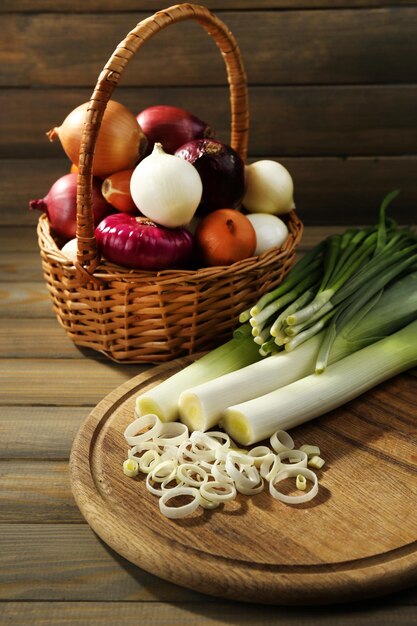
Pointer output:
120, 144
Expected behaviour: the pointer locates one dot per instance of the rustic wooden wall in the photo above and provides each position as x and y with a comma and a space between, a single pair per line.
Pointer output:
332, 85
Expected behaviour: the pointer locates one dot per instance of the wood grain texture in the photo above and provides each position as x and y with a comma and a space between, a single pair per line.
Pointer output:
327, 47
72, 382
69, 562
341, 120
16, 266
327, 190
37, 176
36, 491
39, 432
204, 613
41, 338
24, 299
19, 239
346, 544
321, 104
17, 6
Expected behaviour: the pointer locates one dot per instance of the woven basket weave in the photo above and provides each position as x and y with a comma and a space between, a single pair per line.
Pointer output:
142, 316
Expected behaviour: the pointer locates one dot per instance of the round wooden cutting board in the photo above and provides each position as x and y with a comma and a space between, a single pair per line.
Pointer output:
356, 539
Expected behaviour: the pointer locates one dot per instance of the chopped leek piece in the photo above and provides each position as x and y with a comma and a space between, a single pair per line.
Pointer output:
316, 461
289, 499
131, 468
301, 482
310, 450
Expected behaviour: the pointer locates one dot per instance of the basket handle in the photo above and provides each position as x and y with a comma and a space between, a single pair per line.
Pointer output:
87, 253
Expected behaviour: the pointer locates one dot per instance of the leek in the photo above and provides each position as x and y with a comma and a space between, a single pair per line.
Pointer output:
162, 400
334, 281
201, 406
311, 396
319, 303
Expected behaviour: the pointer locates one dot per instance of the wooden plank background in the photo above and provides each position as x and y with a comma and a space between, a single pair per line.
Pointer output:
332, 86
333, 96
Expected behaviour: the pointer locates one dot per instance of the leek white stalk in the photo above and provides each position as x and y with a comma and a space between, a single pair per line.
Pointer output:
162, 400
314, 395
200, 407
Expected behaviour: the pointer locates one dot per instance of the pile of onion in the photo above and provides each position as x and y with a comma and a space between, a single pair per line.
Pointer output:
160, 185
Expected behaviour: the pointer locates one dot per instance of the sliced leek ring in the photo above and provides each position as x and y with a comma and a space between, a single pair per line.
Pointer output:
148, 460
251, 491
297, 458
270, 466
150, 422
177, 512
300, 499
281, 441
219, 472
216, 491
186, 470
260, 454
165, 470
172, 434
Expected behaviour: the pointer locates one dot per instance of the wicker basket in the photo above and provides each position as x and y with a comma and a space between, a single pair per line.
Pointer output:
142, 316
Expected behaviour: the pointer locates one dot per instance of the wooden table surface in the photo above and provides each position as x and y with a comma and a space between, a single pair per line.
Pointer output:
54, 569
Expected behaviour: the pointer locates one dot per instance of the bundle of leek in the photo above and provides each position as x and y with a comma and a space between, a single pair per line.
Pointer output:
202, 406
342, 296
330, 284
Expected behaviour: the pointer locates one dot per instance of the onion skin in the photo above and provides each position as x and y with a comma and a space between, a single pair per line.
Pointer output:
269, 188
60, 205
271, 231
224, 237
139, 243
120, 144
171, 126
166, 189
116, 190
222, 172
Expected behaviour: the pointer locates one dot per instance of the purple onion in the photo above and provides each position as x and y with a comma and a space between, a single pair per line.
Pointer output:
60, 205
139, 243
222, 172
171, 127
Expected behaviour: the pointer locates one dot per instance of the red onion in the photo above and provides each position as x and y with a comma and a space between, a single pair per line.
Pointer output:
60, 205
171, 126
222, 172
139, 243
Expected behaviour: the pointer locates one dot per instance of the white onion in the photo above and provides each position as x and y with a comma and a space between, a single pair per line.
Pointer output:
271, 232
269, 188
70, 250
166, 188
